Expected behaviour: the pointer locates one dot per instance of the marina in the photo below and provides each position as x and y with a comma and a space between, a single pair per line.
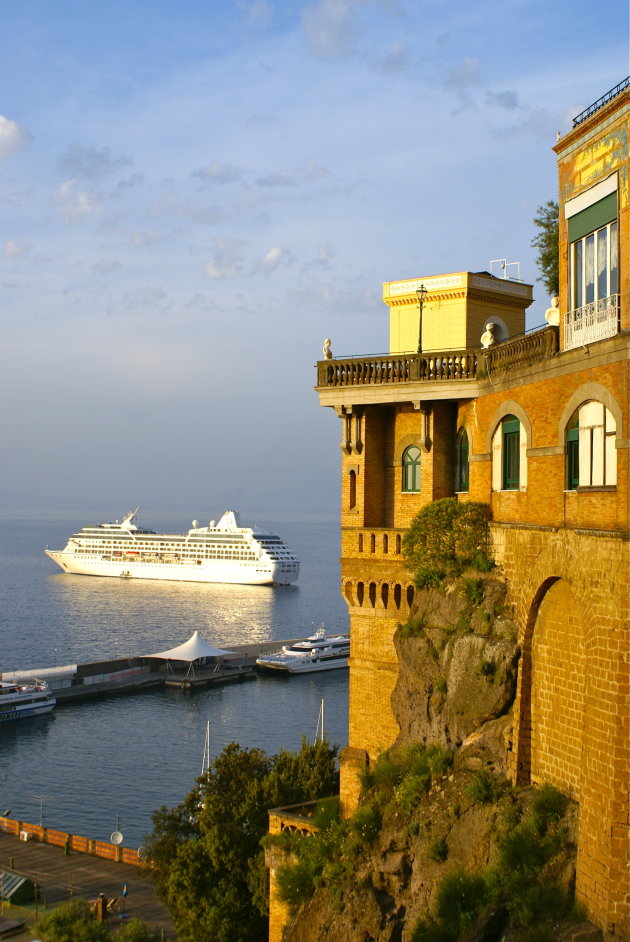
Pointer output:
109, 756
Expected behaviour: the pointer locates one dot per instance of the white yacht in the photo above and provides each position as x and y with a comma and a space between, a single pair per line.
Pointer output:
221, 552
21, 700
316, 653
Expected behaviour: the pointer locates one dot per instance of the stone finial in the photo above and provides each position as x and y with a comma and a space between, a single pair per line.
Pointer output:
326, 349
487, 338
552, 314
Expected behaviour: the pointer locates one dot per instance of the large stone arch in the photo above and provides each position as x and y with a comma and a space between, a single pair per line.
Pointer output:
557, 689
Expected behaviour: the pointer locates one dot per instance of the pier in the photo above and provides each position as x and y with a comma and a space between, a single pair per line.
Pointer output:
122, 675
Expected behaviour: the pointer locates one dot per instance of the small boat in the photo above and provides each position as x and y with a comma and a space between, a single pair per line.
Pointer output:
21, 700
315, 653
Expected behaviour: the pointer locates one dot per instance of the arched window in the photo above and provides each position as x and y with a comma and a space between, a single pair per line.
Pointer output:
590, 447
511, 447
461, 461
509, 455
352, 496
411, 469
573, 452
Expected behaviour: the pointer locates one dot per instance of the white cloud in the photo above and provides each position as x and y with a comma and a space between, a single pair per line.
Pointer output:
75, 203
310, 172
88, 162
274, 259
467, 73
257, 12
324, 257
219, 172
146, 237
13, 249
226, 261
331, 25
396, 59
12, 136
507, 99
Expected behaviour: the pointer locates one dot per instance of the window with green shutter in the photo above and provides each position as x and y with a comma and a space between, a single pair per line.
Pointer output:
511, 432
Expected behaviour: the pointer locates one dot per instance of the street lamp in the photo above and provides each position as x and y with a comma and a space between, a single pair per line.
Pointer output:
422, 293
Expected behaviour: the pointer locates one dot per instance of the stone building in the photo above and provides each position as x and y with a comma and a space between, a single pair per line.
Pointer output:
536, 425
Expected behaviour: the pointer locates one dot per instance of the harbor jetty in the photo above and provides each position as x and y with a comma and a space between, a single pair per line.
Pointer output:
121, 675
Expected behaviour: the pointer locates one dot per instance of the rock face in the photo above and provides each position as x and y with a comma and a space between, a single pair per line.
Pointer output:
458, 670
458, 663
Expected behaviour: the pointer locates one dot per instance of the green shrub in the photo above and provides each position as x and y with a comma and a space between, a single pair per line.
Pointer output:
440, 684
473, 591
296, 881
411, 791
482, 788
429, 578
548, 805
439, 760
366, 822
443, 538
460, 898
438, 850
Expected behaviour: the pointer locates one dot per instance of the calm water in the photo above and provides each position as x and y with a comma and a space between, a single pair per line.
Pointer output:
111, 762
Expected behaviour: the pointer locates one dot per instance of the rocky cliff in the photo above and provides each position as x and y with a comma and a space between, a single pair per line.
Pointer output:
458, 659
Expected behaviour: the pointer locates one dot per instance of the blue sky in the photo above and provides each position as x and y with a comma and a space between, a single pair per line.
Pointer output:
194, 194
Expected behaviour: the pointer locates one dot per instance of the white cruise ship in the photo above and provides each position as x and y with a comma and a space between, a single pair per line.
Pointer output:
220, 552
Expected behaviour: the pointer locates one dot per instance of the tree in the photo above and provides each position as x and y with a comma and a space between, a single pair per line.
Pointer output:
73, 922
547, 243
208, 864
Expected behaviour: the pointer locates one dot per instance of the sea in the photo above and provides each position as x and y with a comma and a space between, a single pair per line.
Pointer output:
94, 767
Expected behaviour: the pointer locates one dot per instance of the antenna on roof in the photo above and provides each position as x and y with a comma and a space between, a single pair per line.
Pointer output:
504, 265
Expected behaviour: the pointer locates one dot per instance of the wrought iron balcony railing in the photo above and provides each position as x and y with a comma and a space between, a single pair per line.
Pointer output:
583, 115
591, 322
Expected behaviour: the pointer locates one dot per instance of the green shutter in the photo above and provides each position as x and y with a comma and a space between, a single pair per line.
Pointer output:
593, 217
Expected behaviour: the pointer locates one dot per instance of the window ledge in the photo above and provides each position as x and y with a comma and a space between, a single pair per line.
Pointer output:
597, 488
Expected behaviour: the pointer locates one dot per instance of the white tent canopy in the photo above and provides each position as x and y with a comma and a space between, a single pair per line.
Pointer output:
191, 650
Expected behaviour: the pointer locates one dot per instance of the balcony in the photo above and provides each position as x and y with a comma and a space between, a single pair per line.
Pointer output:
597, 320
460, 367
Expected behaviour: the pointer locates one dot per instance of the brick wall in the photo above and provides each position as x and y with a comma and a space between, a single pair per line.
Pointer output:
571, 596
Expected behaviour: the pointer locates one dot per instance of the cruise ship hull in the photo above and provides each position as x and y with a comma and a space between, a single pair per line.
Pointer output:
242, 573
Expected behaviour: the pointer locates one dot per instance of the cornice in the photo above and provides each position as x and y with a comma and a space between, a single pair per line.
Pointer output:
589, 124
471, 294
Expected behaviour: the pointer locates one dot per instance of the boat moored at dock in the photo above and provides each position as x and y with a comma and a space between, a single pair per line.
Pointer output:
18, 701
319, 652
222, 552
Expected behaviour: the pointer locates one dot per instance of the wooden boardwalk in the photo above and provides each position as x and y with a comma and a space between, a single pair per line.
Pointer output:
61, 876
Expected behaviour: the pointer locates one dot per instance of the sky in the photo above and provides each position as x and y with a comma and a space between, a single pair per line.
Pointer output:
193, 195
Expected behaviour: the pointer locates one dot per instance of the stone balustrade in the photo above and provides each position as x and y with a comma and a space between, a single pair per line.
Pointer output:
523, 351
437, 366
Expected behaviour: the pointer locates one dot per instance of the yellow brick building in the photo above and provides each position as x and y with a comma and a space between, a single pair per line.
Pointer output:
536, 425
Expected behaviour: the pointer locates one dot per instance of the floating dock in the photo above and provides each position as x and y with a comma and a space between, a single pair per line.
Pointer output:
74, 682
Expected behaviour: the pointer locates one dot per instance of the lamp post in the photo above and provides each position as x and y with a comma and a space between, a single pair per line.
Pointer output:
422, 293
